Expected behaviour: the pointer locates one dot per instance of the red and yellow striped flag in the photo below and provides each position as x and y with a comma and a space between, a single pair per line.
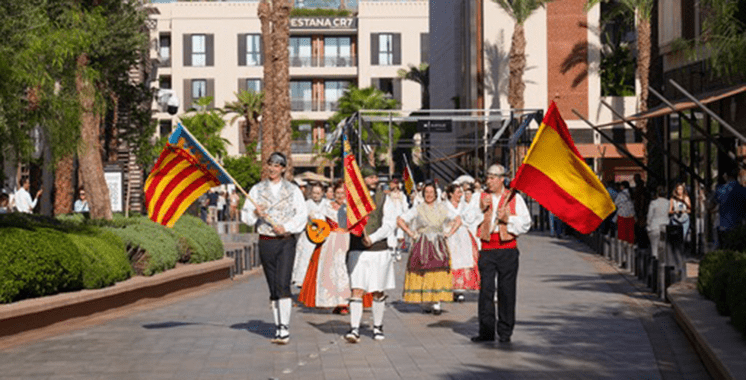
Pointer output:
408, 178
556, 175
359, 201
183, 172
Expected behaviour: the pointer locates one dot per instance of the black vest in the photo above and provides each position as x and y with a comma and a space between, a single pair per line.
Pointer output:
375, 221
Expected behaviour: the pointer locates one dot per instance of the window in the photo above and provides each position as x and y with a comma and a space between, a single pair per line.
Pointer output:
254, 85
164, 127
300, 96
199, 50
333, 90
299, 49
164, 50
337, 52
391, 86
385, 49
253, 50
199, 89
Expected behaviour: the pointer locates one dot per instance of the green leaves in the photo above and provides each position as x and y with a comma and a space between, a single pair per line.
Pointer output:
206, 126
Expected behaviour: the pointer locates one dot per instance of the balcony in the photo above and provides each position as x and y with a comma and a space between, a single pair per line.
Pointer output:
323, 61
313, 105
301, 146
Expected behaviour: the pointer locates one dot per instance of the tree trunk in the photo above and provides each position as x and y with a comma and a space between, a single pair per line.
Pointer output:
517, 65
268, 117
63, 185
643, 73
281, 36
89, 150
254, 126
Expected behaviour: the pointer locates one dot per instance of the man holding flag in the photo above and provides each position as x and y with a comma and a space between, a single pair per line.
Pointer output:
279, 214
371, 266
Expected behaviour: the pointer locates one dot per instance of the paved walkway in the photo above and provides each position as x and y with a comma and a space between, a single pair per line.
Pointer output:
577, 317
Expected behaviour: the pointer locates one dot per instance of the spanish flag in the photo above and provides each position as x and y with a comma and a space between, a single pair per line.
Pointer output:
555, 174
183, 172
359, 201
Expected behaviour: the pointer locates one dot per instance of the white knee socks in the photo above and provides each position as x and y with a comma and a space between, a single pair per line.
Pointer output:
356, 312
378, 308
285, 306
275, 312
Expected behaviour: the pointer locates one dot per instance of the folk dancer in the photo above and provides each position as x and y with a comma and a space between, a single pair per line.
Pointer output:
463, 247
280, 214
504, 219
428, 279
305, 247
369, 262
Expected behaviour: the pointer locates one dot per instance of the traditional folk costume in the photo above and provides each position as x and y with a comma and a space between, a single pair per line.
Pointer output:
371, 268
285, 206
464, 253
428, 278
305, 247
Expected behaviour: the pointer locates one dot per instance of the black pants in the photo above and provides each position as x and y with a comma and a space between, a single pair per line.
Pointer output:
278, 257
502, 263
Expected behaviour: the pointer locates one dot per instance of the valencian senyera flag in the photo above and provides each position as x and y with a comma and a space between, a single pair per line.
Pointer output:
408, 177
183, 172
359, 201
555, 174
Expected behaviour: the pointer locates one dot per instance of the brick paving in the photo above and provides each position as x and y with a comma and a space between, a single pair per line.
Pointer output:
578, 317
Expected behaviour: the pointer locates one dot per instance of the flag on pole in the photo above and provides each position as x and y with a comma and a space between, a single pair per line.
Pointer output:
408, 177
359, 201
556, 175
183, 172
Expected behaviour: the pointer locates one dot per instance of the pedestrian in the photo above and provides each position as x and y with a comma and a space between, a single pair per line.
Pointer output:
279, 215
369, 262
221, 203
4, 203
399, 204
305, 248
625, 214
234, 201
428, 279
212, 208
327, 283
81, 204
23, 200
556, 227
463, 248
657, 217
679, 208
505, 218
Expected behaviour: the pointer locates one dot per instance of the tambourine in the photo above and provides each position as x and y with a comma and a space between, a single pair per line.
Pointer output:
318, 230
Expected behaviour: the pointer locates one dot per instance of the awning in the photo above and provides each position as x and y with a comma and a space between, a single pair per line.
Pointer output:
683, 105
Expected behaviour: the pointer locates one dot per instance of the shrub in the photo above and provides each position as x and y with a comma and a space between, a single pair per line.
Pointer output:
202, 241
709, 268
734, 239
104, 257
159, 242
736, 295
36, 262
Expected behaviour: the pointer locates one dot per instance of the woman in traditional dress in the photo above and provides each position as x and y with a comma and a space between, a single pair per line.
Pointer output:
463, 247
398, 199
428, 279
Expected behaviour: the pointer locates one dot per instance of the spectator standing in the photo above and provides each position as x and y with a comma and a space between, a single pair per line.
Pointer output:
212, 207
23, 200
641, 199
679, 208
234, 200
625, 214
4, 203
221, 203
657, 217
81, 205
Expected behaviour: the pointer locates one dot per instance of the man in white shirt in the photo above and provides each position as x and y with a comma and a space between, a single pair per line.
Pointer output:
505, 218
279, 215
23, 200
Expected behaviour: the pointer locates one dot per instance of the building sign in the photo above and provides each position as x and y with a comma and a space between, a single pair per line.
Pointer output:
434, 126
323, 23
116, 190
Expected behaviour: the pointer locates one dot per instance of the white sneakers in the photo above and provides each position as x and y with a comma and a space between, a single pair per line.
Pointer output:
378, 333
353, 336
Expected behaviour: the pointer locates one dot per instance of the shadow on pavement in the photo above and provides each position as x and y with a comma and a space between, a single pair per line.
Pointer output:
468, 329
258, 327
331, 327
167, 325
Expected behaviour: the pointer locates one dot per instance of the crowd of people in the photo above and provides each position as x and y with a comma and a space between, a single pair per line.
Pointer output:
455, 240
643, 212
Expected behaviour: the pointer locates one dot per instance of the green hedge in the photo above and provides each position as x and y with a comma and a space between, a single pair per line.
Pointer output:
104, 258
159, 243
722, 279
36, 262
202, 241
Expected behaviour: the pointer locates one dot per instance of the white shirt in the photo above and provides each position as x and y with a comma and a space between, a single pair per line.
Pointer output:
296, 225
657, 214
316, 210
519, 223
388, 224
23, 200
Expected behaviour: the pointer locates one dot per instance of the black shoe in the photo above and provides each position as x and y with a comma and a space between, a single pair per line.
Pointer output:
504, 339
481, 339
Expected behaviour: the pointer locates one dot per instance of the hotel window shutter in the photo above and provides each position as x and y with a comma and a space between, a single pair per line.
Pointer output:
397, 48
210, 90
210, 49
397, 91
187, 94
374, 49
424, 47
242, 85
241, 50
187, 50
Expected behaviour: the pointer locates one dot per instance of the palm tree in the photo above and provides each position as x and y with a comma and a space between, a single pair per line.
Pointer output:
519, 11
421, 75
249, 106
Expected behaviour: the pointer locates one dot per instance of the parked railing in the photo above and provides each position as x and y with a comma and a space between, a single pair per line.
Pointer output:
243, 248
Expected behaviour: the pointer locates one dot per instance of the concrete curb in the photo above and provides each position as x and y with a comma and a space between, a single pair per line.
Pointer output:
44, 311
720, 346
